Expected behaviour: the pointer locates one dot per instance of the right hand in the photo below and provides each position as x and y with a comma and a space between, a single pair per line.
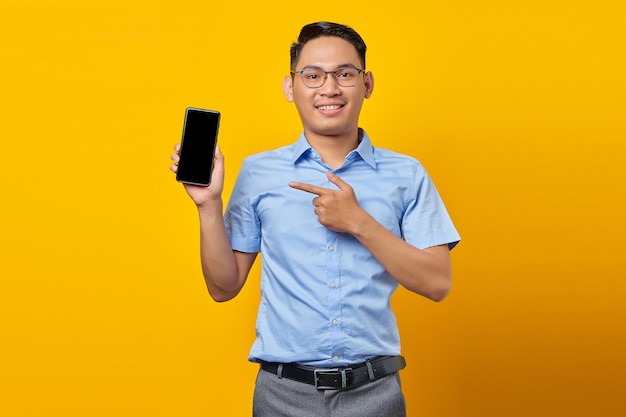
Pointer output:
199, 194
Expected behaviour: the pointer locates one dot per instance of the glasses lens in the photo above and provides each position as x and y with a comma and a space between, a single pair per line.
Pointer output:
313, 78
347, 77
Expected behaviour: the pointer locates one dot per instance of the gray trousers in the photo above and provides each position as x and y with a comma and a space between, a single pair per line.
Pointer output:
282, 397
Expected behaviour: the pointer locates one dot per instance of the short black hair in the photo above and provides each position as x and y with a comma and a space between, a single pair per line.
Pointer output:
319, 29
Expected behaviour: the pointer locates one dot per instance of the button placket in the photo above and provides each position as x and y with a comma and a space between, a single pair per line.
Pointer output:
334, 296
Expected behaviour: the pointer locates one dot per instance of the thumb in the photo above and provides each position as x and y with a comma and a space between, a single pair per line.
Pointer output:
341, 184
218, 152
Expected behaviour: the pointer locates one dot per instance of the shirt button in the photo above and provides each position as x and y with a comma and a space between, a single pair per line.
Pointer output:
336, 358
335, 322
331, 248
333, 285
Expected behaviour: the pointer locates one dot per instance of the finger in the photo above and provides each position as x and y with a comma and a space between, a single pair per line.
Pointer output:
174, 168
177, 147
309, 188
341, 184
218, 153
175, 158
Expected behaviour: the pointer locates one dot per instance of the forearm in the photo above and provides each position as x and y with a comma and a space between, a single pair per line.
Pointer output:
425, 272
219, 265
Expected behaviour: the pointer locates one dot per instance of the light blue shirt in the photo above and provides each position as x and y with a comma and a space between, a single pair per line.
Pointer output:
325, 300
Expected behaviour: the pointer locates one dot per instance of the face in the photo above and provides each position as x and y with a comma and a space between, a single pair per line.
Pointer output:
330, 110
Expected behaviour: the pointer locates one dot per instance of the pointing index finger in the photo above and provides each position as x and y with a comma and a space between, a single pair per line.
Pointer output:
309, 188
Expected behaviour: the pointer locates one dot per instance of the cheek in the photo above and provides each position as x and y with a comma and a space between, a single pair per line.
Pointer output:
305, 111
303, 101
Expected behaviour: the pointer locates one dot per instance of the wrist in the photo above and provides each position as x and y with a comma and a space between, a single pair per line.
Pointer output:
210, 207
362, 224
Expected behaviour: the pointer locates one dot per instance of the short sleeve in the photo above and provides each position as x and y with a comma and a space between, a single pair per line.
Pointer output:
240, 218
426, 222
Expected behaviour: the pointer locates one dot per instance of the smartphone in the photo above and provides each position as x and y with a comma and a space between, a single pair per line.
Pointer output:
197, 147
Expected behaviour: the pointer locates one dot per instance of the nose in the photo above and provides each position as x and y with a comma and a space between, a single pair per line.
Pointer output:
330, 87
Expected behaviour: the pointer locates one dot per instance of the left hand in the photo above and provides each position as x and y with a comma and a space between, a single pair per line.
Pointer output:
338, 209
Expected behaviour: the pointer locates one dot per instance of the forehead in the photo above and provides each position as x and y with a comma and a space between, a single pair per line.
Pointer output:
328, 52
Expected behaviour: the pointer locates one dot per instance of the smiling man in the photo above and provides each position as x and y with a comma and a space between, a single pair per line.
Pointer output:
340, 224
329, 109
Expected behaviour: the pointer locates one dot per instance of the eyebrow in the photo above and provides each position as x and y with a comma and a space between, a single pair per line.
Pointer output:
336, 68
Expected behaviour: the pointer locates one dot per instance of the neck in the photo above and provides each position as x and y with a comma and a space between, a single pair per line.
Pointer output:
333, 149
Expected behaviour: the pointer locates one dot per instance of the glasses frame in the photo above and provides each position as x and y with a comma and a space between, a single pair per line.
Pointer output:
301, 73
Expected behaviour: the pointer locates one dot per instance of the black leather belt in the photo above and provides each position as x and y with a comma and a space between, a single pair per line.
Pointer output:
337, 378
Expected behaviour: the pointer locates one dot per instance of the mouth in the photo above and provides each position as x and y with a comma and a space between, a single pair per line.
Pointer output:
330, 107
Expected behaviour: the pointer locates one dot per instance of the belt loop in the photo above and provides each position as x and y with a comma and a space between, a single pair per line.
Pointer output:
370, 370
279, 371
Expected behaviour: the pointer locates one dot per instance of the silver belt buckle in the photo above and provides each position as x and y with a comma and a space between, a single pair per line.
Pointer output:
332, 371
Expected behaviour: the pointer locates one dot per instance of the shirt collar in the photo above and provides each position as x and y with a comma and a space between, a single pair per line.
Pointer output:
301, 147
365, 149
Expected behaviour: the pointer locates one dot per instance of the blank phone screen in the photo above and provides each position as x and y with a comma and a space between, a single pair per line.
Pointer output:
198, 146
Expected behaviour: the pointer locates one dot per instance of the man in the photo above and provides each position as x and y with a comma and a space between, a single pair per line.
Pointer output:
340, 224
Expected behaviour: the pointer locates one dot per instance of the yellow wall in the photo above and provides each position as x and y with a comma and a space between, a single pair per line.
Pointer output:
515, 107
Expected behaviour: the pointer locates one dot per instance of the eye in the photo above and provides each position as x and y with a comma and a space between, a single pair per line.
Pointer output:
346, 74
312, 75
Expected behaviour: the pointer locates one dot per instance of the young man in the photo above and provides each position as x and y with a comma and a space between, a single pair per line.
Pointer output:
340, 224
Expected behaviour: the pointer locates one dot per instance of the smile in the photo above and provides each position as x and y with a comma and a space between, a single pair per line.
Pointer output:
329, 108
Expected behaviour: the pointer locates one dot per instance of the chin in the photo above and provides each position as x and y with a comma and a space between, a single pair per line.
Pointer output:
331, 129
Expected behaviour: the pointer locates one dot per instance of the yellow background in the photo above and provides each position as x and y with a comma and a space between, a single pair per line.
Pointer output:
516, 108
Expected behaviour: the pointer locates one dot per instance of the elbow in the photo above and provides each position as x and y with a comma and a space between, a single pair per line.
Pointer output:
220, 298
439, 292
439, 295
436, 292
219, 295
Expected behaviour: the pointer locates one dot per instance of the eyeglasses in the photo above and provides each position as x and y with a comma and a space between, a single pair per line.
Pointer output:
315, 77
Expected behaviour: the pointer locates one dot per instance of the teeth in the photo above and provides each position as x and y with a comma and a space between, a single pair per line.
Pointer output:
335, 107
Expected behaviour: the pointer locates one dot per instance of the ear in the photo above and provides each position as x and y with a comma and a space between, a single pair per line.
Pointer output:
288, 88
369, 84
